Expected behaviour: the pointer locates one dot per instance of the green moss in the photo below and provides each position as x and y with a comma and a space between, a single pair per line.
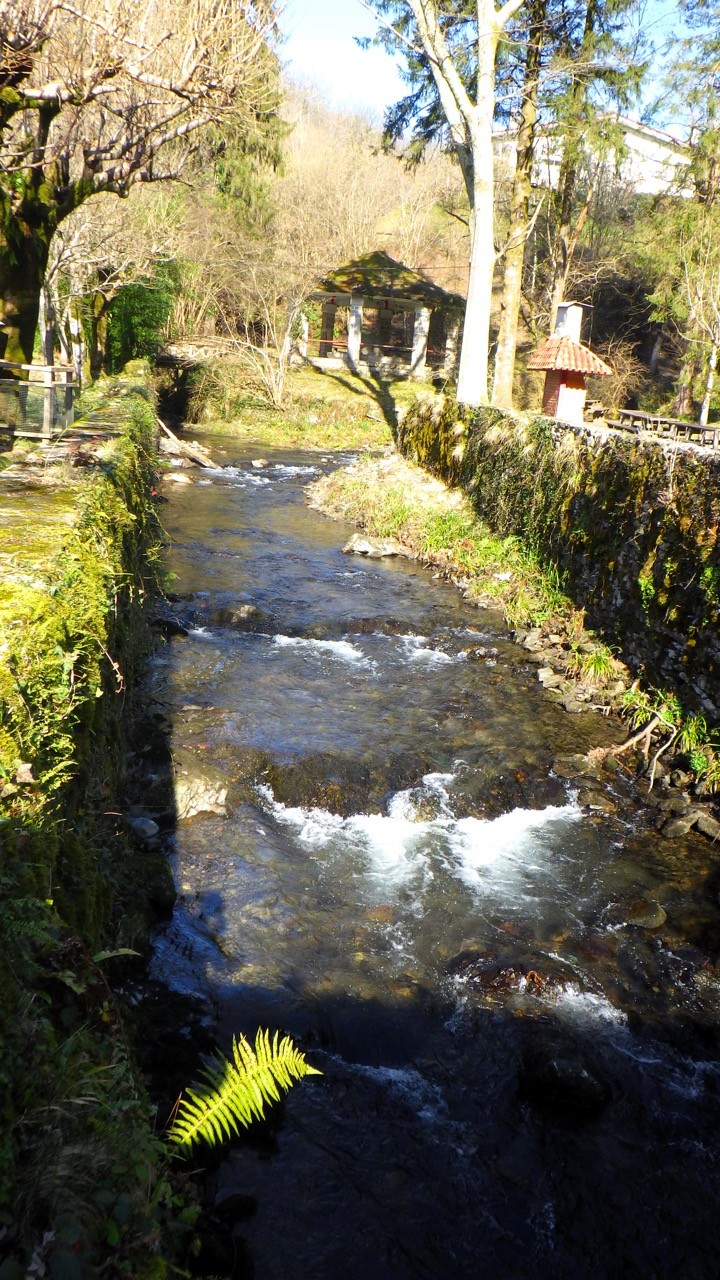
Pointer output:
76, 1152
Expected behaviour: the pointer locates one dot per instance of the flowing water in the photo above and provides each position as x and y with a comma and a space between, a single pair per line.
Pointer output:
511, 992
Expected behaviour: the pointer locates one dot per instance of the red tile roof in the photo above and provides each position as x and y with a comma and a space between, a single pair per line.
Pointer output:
563, 353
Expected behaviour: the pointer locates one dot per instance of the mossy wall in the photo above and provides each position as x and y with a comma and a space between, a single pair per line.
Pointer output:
80, 557
632, 525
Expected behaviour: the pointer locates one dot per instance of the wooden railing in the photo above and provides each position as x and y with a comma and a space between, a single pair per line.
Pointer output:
37, 400
636, 420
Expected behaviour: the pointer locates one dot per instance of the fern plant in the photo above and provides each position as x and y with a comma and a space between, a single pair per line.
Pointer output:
237, 1092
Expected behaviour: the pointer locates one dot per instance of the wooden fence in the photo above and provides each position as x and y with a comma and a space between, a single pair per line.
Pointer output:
37, 400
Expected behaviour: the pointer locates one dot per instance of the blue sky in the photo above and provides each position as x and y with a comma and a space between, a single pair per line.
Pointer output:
320, 49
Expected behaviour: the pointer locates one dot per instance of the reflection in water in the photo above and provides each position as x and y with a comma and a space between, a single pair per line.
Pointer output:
513, 996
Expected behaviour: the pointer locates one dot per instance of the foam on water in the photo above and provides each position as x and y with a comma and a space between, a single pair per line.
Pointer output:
480, 843
582, 1007
283, 469
417, 650
397, 846
341, 649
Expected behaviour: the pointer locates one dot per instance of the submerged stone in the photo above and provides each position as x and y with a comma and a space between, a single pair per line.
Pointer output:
708, 825
199, 787
556, 1076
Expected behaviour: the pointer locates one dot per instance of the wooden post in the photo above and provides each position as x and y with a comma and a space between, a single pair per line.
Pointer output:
420, 341
69, 400
48, 402
355, 320
327, 329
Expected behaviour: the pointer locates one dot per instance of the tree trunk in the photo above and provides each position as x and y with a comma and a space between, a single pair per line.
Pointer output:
709, 384
98, 334
655, 354
77, 343
472, 386
683, 402
519, 215
48, 326
22, 270
568, 235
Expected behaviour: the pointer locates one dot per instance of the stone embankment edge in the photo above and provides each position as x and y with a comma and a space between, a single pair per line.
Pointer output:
631, 524
81, 1176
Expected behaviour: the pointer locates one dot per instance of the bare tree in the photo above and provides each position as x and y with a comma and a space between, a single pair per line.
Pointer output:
98, 97
103, 246
469, 115
701, 268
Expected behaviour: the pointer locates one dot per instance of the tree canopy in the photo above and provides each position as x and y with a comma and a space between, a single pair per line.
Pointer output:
98, 97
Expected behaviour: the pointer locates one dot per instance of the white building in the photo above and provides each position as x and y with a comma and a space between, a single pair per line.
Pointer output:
650, 161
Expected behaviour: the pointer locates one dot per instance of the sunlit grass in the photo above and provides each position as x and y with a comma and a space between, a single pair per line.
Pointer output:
439, 526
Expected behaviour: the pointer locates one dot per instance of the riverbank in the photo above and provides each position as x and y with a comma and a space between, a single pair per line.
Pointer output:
392, 498
323, 410
81, 1184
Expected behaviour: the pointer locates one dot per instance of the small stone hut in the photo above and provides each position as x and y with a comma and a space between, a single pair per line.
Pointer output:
567, 363
380, 315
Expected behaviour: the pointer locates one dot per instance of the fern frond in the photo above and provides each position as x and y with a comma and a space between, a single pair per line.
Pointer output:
237, 1092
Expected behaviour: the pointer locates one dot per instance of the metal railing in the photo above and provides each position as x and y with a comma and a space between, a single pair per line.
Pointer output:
37, 400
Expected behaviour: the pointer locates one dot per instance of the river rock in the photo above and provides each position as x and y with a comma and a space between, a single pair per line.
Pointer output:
597, 800
179, 477
679, 804
646, 913
374, 548
199, 787
246, 617
571, 705
680, 825
555, 1075
576, 766
533, 640
548, 678
168, 626
144, 828
708, 825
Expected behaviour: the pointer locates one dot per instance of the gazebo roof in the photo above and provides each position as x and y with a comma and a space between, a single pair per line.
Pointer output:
564, 353
378, 275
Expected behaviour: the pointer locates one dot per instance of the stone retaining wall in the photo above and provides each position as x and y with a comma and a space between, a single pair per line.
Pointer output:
632, 525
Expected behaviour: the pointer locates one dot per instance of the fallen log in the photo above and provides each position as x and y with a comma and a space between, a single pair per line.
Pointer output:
182, 449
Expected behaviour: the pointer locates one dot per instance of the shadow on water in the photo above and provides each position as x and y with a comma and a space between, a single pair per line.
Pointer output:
520, 1062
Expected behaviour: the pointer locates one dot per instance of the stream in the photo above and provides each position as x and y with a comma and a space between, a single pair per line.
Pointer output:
506, 975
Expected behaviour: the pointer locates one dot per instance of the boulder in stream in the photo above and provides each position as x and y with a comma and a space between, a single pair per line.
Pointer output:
199, 787
374, 548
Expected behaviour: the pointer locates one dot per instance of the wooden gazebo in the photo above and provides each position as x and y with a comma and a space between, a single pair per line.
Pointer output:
378, 314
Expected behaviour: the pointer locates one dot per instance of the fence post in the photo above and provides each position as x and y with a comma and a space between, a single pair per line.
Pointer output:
48, 403
69, 398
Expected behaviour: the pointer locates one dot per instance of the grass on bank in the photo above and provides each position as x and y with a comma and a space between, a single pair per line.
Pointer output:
325, 410
394, 498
